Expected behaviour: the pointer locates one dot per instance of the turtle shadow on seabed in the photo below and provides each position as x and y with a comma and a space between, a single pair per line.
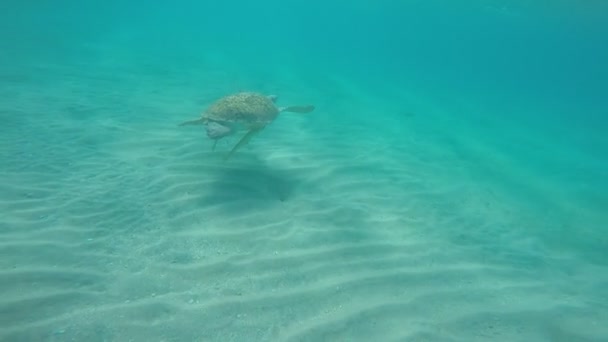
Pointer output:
247, 183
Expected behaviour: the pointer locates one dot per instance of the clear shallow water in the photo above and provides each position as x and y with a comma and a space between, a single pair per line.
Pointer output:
450, 184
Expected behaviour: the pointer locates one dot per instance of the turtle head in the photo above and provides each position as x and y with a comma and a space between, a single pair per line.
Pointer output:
216, 130
273, 98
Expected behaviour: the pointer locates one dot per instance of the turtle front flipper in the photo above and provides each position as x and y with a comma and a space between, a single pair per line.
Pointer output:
298, 109
244, 140
199, 121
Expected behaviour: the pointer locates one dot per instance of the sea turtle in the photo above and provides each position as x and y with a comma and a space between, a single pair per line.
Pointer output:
245, 110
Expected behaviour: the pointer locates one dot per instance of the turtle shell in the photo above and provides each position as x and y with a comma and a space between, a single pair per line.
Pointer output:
245, 107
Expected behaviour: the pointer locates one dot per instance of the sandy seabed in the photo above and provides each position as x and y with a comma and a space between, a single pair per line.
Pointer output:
380, 216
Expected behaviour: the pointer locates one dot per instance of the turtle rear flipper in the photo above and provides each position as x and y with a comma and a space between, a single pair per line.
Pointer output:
298, 109
244, 140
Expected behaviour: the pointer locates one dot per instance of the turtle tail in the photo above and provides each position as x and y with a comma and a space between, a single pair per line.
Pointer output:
193, 122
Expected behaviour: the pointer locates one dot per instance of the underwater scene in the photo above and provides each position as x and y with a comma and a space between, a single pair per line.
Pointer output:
236, 170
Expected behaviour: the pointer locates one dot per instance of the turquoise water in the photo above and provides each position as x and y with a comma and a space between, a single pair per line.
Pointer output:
450, 185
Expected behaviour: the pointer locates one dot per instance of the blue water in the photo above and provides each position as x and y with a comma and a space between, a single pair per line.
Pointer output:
451, 184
